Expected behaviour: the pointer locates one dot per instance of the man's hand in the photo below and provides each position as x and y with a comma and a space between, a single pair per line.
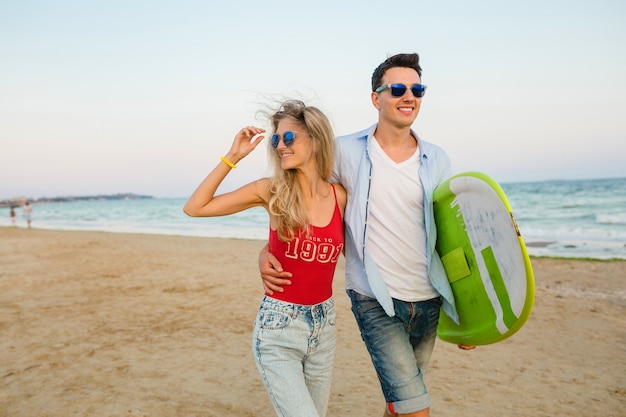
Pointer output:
466, 347
272, 274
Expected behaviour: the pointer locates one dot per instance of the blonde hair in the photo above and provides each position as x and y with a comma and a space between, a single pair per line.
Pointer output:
286, 202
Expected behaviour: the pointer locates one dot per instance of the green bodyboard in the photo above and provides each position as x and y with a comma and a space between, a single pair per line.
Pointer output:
485, 259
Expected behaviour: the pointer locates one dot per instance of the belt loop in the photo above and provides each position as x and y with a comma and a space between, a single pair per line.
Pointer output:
327, 306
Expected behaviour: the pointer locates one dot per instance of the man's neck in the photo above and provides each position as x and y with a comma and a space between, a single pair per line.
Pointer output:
398, 144
389, 136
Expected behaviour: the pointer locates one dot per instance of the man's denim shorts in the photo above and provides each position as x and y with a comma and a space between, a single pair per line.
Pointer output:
400, 347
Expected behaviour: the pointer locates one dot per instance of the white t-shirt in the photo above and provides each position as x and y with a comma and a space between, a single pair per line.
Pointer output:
397, 237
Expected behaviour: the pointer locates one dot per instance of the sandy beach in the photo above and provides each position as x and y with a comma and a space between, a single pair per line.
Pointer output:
105, 324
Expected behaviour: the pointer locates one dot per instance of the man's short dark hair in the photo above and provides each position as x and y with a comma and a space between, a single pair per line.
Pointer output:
399, 60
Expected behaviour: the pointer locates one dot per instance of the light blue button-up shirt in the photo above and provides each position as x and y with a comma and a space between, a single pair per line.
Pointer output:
354, 170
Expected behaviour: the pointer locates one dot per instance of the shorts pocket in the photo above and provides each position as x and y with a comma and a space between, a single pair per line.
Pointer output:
273, 320
363, 303
332, 317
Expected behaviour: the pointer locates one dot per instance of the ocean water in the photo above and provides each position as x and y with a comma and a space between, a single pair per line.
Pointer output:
579, 219
570, 218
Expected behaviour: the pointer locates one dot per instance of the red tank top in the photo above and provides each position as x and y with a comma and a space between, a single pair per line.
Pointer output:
311, 258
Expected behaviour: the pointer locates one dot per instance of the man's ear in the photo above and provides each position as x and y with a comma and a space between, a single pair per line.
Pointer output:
375, 102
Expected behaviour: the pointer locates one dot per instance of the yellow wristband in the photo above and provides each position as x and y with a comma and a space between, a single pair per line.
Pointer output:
227, 162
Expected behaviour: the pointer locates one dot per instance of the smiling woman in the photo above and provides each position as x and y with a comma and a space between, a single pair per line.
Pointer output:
295, 331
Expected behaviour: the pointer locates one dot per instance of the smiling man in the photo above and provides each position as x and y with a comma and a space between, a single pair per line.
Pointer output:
394, 276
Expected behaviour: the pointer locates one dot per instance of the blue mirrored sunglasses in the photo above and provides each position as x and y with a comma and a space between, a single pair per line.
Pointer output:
398, 90
287, 138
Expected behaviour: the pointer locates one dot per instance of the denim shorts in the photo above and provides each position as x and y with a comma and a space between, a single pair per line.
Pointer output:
294, 349
400, 347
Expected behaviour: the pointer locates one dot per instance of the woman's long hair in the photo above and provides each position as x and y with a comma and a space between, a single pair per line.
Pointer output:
286, 202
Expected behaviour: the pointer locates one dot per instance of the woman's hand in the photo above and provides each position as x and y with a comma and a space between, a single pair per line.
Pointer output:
245, 141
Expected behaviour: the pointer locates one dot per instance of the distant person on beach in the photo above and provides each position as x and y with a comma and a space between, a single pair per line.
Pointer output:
295, 333
394, 276
27, 213
13, 219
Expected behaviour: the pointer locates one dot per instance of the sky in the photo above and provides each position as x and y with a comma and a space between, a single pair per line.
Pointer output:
144, 96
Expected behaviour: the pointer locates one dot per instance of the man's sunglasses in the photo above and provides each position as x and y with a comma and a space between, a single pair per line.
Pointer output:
398, 90
287, 138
